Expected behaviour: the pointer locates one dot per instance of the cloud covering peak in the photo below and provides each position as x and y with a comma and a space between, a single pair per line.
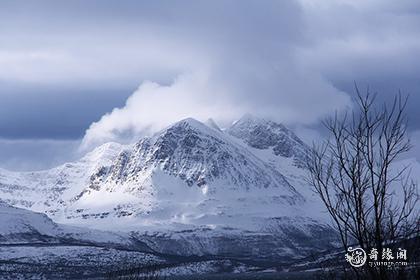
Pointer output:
236, 57
64, 65
154, 106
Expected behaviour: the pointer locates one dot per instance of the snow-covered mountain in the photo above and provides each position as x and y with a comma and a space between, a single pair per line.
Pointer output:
190, 179
46, 191
193, 198
264, 134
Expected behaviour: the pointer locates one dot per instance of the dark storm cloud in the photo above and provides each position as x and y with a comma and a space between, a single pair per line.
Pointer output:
375, 43
44, 112
29, 155
245, 49
64, 64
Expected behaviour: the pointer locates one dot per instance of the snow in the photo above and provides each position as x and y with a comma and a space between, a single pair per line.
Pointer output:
14, 220
191, 189
45, 191
188, 175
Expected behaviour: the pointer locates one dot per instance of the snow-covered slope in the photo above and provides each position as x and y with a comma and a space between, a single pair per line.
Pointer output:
190, 198
245, 180
186, 173
18, 225
49, 190
21, 226
264, 134
282, 150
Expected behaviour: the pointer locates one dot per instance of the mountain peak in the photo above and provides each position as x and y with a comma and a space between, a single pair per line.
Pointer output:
189, 125
264, 134
199, 155
189, 122
104, 152
249, 121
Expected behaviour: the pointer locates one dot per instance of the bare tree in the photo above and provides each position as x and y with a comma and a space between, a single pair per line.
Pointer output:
371, 201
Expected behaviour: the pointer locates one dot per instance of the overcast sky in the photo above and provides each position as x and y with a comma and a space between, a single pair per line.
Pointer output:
66, 65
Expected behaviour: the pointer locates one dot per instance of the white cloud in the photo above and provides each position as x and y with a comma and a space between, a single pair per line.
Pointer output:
277, 59
200, 95
153, 106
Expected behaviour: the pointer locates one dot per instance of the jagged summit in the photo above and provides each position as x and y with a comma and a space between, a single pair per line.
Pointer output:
189, 123
199, 155
255, 129
264, 134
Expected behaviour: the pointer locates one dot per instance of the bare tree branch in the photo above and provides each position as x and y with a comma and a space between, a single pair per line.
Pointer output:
370, 200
